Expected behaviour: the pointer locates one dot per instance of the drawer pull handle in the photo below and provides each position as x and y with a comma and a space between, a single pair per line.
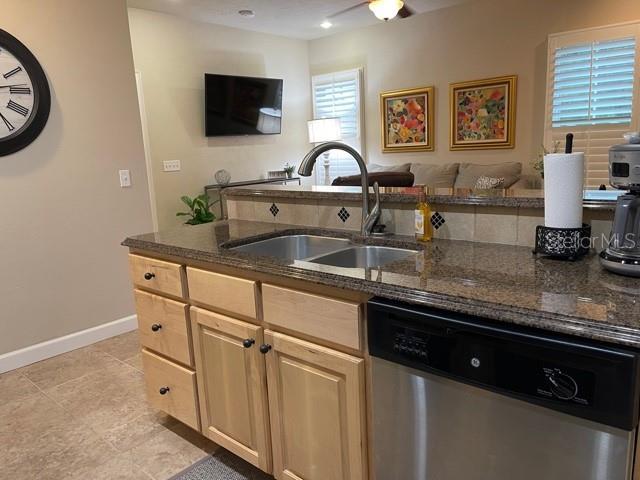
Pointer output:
155, 327
248, 343
164, 390
264, 348
149, 275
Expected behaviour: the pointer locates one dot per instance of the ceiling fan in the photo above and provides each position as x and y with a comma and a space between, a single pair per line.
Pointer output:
382, 9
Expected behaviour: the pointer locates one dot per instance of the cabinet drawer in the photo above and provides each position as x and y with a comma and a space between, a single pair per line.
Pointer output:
336, 321
152, 274
222, 292
171, 388
163, 326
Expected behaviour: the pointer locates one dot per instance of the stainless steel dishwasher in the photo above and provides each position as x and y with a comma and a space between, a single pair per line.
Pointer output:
461, 398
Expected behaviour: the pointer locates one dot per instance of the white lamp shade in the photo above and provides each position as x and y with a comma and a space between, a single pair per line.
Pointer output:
269, 120
324, 130
385, 9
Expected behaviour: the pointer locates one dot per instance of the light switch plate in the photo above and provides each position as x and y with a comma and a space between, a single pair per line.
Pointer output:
171, 165
125, 178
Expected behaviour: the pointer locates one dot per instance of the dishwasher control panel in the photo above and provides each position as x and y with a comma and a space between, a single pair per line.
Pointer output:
497, 362
581, 378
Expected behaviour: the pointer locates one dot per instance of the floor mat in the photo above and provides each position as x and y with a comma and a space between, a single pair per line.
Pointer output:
222, 465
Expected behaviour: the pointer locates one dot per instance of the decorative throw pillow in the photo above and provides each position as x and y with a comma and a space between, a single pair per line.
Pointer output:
486, 183
436, 176
470, 172
376, 167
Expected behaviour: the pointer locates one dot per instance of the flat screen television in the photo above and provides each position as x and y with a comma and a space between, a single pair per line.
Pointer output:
242, 105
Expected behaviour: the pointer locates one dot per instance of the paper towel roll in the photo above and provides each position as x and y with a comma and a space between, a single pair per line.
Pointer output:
563, 190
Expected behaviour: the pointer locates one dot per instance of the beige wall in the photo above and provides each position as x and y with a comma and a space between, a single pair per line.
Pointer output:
62, 212
478, 39
172, 55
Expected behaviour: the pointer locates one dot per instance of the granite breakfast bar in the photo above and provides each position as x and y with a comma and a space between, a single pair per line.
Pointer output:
507, 217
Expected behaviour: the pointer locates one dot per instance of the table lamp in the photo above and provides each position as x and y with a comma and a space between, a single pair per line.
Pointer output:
324, 130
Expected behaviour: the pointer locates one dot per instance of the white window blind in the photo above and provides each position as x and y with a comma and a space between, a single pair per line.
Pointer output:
338, 95
592, 92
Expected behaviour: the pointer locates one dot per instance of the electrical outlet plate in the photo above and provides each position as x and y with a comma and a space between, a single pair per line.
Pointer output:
171, 165
125, 178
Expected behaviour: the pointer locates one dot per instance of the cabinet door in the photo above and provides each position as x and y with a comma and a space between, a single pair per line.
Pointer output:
232, 385
317, 409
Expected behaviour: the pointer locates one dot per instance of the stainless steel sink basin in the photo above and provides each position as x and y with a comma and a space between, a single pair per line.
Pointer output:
363, 257
294, 247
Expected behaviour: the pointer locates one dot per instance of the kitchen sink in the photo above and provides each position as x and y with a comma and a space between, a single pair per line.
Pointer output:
363, 257
294, 247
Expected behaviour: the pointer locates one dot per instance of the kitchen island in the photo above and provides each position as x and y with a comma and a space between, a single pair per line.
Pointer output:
269, 357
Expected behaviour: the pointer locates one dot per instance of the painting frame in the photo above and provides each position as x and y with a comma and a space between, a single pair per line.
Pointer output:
428, 93
510, 84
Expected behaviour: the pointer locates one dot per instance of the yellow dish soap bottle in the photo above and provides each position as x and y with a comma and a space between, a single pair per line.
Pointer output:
424, 229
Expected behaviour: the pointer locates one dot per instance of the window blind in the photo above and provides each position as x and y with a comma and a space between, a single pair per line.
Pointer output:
593, 83
592, 92
338, 95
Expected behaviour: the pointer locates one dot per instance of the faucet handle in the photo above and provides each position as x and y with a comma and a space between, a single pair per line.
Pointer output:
376, 191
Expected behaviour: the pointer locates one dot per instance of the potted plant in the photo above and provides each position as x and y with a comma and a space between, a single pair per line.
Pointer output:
289, 169
199, 209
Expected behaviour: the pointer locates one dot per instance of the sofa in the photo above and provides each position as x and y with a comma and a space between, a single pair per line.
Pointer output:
447, 175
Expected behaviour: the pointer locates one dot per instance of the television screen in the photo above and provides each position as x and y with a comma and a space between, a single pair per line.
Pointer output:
242, 105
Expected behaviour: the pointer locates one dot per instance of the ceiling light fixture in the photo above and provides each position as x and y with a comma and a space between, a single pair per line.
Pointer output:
326, 24
247, 13
385, 9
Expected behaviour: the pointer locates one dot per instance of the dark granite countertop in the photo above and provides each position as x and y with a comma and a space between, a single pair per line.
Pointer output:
500, 282
437, 196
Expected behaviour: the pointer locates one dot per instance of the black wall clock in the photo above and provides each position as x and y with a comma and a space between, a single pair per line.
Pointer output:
25, 98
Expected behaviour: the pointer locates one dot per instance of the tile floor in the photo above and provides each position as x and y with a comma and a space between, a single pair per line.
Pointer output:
83, 415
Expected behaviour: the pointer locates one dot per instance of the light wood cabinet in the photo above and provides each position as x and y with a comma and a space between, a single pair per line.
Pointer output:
329, 319
157, 275
232, 385
317, 410
163, 326
171, 388
288, 406
233, 295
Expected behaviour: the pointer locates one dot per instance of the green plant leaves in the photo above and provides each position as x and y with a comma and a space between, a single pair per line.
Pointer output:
187, 201
199, 209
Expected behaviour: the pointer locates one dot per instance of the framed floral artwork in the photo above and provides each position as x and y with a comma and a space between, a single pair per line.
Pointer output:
483, 114
407, 120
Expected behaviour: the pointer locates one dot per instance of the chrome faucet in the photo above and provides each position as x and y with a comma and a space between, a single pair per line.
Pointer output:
369, 218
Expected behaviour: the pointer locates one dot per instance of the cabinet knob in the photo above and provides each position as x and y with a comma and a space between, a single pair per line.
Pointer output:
264, 348
149, 275
164, 390
155, 327
248, 343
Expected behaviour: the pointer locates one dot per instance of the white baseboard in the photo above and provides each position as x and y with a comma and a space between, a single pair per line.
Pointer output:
51, 348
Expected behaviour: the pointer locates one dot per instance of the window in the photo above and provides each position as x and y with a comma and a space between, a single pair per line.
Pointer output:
592, 92
338, 95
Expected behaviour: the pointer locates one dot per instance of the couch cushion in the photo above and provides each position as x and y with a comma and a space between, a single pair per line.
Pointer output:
384, 179
470, 172
376, 167
438, 176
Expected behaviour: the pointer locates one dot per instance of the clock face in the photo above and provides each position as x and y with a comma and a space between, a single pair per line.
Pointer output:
25, 97
16, 95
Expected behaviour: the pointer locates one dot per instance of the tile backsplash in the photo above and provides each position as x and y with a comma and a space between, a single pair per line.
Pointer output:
503, 225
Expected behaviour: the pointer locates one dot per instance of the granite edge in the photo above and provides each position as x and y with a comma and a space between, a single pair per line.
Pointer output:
474, 200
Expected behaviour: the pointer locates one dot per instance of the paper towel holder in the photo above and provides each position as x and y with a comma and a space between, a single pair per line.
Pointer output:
563, 243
